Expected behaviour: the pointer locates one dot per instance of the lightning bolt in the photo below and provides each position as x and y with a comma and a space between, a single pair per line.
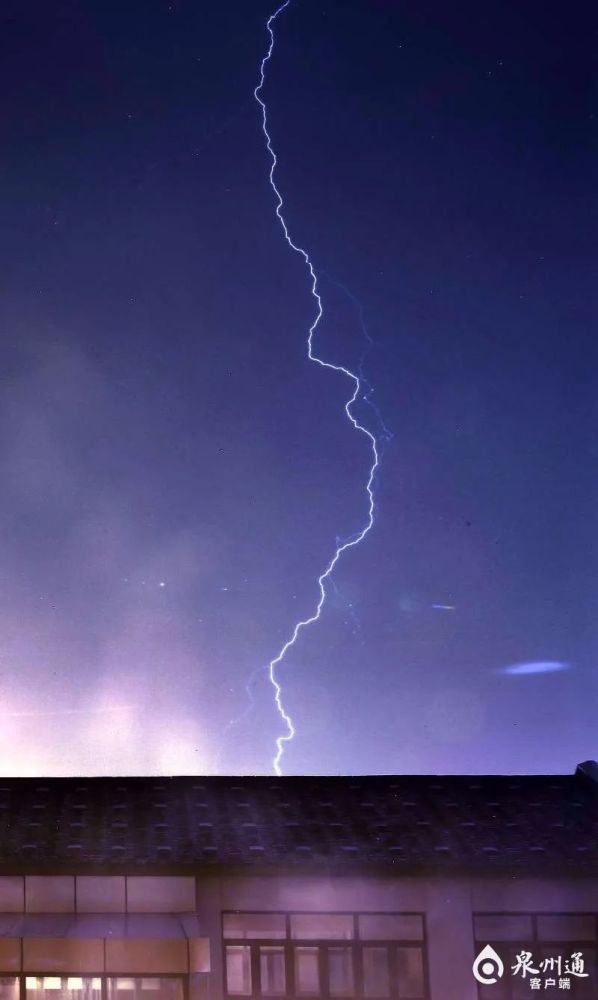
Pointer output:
357, 389
385, 435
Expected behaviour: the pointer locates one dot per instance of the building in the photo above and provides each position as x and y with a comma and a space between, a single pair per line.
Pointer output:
222, 888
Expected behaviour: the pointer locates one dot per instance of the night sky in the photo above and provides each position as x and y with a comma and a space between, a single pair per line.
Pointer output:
175, 472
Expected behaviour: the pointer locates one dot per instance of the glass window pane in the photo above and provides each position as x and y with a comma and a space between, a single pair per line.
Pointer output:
502, 927
238, 969
307, 972
272, 970
255, 925
340, 972
567, 927
62, 988
9, 988
410, 972
391, 927
376, 979
322, 926
550, 955
142, 988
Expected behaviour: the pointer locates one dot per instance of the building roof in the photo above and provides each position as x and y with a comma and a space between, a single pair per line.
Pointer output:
525, 824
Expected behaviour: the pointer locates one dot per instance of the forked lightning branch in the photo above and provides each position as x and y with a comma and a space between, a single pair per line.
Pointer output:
357, 387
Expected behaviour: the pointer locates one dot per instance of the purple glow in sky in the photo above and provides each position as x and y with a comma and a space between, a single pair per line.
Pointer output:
176, 473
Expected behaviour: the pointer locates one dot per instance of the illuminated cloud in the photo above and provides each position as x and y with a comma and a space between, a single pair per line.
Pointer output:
535, 667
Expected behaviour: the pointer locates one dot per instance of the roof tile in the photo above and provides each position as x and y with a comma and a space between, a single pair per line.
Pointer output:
528, 823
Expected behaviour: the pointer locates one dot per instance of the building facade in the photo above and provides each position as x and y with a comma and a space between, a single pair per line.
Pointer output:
316, 887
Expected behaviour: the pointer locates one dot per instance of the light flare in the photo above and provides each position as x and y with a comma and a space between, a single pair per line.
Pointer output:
535, 667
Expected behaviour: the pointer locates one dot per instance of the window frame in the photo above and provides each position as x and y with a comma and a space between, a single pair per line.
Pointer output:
355, 944
535, 943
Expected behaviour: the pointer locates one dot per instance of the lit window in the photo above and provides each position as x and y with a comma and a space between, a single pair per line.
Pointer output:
143, 988
63, 987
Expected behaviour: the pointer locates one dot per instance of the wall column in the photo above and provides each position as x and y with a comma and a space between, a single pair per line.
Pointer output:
450, 940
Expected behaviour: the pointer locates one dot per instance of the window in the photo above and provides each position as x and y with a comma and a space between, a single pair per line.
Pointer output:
9, 988
307, 971
376, 976
340, 972
144, 988
325, 956
63, 987
327, 926
90, 988
391, 927
410, 973
547, 936
272, 970
255, 925
238, 969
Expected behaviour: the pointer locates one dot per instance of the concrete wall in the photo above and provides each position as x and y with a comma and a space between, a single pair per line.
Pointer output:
448, 905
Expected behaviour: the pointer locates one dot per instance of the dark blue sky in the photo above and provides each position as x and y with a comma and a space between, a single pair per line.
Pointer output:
175, 471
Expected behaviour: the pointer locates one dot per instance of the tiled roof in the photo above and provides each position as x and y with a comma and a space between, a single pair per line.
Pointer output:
522, 823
